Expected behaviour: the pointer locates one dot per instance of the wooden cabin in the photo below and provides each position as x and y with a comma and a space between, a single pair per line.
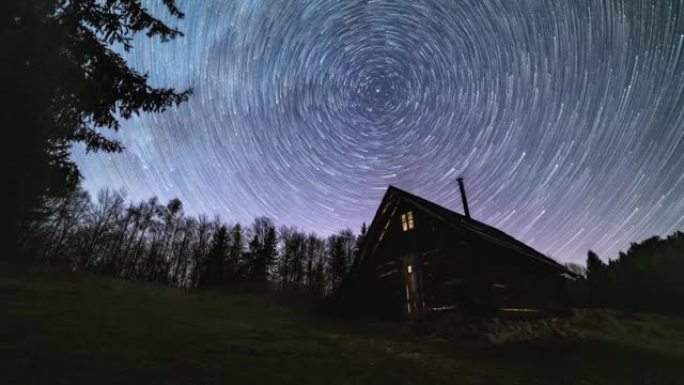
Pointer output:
420, 260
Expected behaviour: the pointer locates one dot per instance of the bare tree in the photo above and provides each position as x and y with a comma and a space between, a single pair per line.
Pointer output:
340, 253
315, 263
109, 207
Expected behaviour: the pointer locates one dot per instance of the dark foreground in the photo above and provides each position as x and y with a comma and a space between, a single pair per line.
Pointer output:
65, 328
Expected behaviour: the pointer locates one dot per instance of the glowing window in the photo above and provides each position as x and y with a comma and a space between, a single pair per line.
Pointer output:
407, 221
410, 269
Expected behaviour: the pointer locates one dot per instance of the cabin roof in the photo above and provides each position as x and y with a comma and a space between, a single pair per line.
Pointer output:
456, 220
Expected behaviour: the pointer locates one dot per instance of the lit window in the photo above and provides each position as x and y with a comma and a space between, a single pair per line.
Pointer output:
410, 269
407, 221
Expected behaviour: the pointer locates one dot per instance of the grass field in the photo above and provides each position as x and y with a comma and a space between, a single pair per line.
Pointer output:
64, 328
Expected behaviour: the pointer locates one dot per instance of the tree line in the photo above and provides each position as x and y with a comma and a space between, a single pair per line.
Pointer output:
157, 242
648, 277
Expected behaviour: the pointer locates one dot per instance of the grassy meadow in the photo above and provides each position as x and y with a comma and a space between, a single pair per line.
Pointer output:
77, 328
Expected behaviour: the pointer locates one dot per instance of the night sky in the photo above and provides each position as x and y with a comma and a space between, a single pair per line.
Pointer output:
566, 118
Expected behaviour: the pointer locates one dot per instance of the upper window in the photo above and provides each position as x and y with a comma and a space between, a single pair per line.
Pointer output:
407, 221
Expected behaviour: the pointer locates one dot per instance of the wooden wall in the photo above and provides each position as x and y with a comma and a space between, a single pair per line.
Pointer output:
460, 271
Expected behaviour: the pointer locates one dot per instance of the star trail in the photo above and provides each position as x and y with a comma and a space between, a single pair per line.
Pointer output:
566, 118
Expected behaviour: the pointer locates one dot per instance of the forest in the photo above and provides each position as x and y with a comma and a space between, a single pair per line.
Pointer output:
647, 277
157, 242
71, 86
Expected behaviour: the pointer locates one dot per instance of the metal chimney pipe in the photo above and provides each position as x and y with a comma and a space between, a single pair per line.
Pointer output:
464, 199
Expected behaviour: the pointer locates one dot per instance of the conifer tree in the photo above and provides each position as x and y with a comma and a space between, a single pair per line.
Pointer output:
360, 239
595, 266
64, 83
236, 251
216, 257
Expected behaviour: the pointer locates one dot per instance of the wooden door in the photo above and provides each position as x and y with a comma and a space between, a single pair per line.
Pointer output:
413, 286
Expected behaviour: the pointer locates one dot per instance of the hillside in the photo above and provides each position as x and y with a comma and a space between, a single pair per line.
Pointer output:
84, 329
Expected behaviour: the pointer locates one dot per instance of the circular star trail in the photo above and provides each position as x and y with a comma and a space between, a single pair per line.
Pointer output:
565, 118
